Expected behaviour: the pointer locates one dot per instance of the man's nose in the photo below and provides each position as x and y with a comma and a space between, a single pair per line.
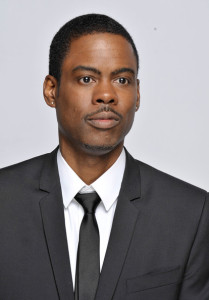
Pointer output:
105, 93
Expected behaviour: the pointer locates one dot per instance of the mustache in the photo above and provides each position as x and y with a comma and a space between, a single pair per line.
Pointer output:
103, 109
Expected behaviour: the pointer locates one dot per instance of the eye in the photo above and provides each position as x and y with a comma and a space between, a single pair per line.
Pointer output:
86, 80
122, 80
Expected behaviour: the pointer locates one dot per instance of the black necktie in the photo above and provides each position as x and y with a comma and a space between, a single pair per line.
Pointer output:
88, 266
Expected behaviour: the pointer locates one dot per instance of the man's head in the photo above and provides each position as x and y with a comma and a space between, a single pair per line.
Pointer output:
80, 26
94, 85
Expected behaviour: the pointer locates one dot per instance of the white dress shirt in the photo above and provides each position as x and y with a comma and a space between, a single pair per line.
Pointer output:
107, 187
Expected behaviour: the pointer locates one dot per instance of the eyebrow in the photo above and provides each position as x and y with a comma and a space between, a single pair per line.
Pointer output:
123, 70
96, 71
86, 68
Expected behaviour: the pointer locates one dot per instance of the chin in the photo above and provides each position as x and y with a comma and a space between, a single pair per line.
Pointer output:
99, 149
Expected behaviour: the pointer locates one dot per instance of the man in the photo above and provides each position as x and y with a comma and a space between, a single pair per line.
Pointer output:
88, 221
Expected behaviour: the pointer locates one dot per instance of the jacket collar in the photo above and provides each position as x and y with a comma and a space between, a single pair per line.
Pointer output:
49, 179
52, 212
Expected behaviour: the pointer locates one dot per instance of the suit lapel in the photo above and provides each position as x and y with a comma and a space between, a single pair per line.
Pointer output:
52, 212
122, 230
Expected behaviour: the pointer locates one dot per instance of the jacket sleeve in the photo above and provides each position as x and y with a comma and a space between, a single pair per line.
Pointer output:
195, 285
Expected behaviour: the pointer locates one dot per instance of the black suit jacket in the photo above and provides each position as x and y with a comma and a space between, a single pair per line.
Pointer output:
158, 247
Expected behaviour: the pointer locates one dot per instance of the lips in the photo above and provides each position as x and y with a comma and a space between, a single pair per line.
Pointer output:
104, 120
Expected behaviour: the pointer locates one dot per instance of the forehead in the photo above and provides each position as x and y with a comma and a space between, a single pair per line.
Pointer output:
101, 50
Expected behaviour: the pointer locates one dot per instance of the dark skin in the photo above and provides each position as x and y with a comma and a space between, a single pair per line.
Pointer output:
95, 102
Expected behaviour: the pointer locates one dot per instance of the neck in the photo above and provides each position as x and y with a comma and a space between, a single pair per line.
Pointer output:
89, 166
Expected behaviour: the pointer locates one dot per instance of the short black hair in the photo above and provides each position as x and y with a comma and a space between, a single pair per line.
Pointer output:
80, 26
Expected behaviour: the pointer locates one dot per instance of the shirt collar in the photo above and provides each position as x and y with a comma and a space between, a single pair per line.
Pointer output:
107, 185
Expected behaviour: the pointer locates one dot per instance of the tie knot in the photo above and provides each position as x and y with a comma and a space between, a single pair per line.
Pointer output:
89, 201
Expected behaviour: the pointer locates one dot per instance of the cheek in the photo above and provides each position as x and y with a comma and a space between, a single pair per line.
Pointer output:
128, 115
128, 108
72, 106
129, 120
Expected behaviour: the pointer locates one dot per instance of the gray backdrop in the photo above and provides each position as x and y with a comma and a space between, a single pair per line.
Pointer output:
172, 36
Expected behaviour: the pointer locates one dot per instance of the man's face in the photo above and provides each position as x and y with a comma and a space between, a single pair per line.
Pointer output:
98, 93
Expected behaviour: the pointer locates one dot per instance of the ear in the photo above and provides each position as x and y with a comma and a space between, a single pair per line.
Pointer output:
50, 90
138, 95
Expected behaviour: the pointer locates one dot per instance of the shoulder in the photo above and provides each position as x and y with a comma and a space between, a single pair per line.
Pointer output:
171, 198
24, 166
167, 189
22, 175
163, 180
